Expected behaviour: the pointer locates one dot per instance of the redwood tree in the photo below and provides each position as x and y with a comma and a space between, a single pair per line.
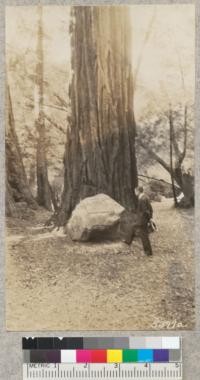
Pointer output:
100, 141
43, 188
17, 188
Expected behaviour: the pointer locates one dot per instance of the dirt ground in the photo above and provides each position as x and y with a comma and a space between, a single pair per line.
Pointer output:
53, 283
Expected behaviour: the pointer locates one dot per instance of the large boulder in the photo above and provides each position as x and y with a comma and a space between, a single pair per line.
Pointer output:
97, 218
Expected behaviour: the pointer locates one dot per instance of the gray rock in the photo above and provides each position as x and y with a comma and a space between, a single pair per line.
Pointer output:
97, 218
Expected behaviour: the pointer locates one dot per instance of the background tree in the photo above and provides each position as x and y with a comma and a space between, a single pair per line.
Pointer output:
171, 139
17, 188
100, 144
43, 188
170, 132
22, 77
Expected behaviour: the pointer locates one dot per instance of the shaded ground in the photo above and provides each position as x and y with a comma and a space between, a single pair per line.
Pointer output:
53, 283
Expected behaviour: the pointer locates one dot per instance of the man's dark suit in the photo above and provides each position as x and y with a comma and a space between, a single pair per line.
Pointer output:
145, 213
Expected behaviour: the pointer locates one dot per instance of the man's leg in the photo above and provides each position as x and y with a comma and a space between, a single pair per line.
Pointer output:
146, 241
129, 236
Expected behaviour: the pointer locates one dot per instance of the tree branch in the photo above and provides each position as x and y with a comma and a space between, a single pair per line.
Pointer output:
62, 101
56, 107
155, 156
45, 105
55, 124
156, 179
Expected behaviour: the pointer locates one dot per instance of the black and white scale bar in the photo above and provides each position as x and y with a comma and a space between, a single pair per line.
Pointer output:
79, 343
133, 371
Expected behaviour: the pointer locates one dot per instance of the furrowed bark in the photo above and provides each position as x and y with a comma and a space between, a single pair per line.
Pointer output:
100, 141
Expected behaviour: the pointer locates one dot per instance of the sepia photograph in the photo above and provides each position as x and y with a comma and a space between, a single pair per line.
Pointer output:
100, 159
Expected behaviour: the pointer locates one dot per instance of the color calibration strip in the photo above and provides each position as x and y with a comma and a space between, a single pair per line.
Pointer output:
102, 350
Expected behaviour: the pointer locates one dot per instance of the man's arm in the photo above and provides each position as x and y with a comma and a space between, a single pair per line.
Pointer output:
151, 210
146, 208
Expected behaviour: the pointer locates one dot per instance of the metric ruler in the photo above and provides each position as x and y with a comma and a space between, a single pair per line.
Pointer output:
155, 358
137, 371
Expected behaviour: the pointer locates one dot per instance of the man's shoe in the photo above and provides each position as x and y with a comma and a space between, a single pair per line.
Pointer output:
128, 242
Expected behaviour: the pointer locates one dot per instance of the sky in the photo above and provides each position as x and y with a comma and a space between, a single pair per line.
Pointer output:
166, 58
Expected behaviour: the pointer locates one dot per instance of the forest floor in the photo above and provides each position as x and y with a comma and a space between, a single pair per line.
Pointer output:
54, 283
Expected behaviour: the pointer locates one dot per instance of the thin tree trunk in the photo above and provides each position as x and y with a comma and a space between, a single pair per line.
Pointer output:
100, 145
43, 190
54, 199
17, 188
171, 157
10, 203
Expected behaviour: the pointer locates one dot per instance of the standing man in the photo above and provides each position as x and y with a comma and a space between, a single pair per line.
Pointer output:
145, 214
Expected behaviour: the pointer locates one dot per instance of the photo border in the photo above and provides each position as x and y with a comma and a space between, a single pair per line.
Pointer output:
11, 352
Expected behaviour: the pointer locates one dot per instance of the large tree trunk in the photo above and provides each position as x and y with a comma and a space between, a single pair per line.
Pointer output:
100, 144
43, 189
17, 188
